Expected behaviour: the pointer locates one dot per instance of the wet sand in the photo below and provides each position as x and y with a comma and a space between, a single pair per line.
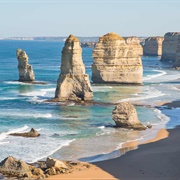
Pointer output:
157, 158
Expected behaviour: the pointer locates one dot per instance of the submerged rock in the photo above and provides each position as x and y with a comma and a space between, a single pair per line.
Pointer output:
73, 84
31, 133
177, 62
134, 43
153, 46
125, 116
25, 70
169, 46
115, 62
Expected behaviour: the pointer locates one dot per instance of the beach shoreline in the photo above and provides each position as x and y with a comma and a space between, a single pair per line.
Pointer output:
104, 169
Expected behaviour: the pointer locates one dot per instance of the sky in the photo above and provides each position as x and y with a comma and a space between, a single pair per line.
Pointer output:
29, 18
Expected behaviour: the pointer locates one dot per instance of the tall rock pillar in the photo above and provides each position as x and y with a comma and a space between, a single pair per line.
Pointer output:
73, 84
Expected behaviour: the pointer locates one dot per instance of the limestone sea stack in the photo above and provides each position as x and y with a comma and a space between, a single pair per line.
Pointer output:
125, 116
114, 62
73, 84
153, 46
25, 70
169, 46
134, 43
177, 62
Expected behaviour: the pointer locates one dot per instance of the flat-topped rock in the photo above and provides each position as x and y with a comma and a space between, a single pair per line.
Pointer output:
125, 116
169, 46
153, 46
134, 43
115, 62
25, 70
73, 84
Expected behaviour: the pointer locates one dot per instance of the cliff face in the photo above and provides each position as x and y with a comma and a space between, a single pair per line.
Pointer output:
73, 84
177, 62
134, 43
114, 62
25, 70
169, 46
153, 46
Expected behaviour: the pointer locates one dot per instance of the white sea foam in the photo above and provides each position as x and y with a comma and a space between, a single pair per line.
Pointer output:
101, 88
16, 82
149, 77
7, 98
147, 95
17, 113
5, 134
65, 143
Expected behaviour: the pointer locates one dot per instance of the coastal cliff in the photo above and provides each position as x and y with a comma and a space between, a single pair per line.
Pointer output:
25, 70
114, 62
177, 62
169, 46
153, 46
134, 43
73, 84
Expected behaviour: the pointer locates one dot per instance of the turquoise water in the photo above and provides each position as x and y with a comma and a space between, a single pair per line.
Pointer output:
71, 132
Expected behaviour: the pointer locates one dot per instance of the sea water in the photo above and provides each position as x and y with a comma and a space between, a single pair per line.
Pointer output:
74, 132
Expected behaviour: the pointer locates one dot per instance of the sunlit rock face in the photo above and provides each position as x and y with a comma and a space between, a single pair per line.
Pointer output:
169, 46
25, 70
134, 43
115, 62
73, 84
153, 46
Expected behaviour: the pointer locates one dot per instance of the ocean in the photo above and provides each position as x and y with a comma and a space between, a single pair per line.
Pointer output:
75, 132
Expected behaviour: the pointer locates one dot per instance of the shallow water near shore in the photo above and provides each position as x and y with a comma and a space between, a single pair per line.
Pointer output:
74, 132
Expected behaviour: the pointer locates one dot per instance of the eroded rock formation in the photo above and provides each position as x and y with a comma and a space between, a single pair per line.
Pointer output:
125, 116
18, 168
31, 133
134, 43
177, 62
25, 70
114, 62
169, 46
153, 46
73, 84
88, 44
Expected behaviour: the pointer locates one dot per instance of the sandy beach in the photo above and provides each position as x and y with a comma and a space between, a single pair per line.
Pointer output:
157, 158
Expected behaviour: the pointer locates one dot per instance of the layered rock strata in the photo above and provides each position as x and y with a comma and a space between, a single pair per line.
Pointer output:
114, 62
169, 46
73, 84
153, 46
134, 43
177, 62
25, 70
125, 116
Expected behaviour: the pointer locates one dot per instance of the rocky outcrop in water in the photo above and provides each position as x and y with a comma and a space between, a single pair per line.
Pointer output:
125, 116
88, 44
134, 43
31, 133
25, 70
12, 167
114, 62
177, 62
153, 46
169, 46
73, 84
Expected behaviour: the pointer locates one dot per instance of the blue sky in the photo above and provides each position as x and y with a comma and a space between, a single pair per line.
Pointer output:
88, 18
